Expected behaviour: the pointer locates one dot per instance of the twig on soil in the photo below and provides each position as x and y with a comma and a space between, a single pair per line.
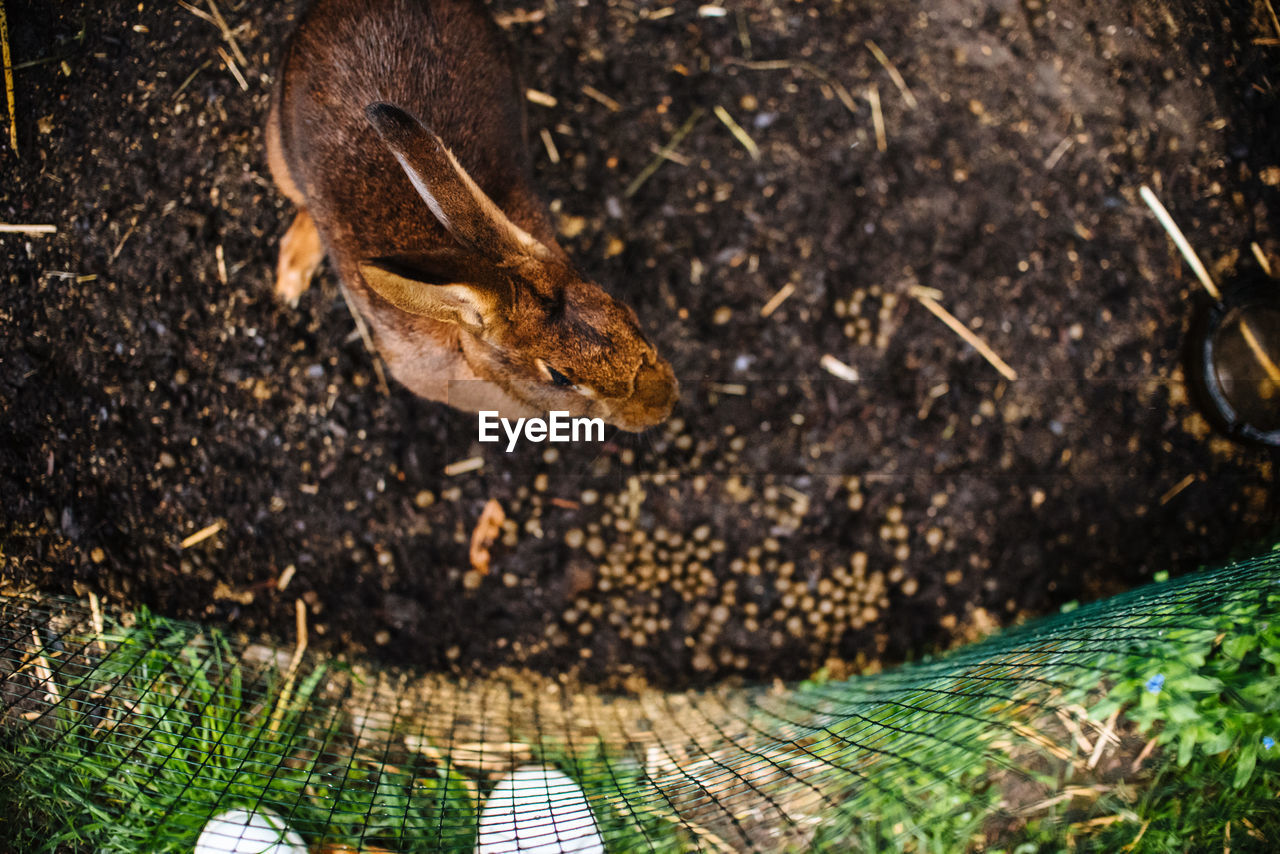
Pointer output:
1180, 240
300, 617
115, 253
838, 369
519, 16
549, 144
203, 534
1255, 346
1039, 739
777, 299
363, 331
1146, 751
1056, 155
923, 297
1177, 488
1272, 12
837, 87
744, 35
596, 95
1107, 734
542, 99
222, 264
877, 117
738, 133
673, 156
231, 66
95, 617
894, 75
1250, 338
192, 76
470, 464
8, 79
1082, 742
13, 228
656, 163
735, 389
227, 33
1261, 258
1069, 793
213, 16
43, 673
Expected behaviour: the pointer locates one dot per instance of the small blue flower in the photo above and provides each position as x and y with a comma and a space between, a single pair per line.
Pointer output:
1155, 683
1268, 742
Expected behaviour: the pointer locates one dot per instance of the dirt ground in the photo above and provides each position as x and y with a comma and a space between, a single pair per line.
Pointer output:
786, 519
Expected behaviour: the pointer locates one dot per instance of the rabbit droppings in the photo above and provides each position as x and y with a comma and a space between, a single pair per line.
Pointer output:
398, 129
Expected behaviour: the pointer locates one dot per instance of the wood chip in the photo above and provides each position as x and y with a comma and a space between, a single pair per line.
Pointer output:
463, 466
877, 118
735, 389
203, 534
1056, 155
15, 228
1261, 258
487, 529
596, 95
1177, 488
542, 99
553, 153
519, 16
222, 263
777, 299
839, 369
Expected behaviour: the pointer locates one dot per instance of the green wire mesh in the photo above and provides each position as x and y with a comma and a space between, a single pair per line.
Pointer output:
149, 727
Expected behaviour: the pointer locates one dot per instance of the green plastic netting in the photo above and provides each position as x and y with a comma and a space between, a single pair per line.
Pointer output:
149, 727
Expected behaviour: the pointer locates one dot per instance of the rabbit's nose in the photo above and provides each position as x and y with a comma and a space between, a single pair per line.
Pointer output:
655, 394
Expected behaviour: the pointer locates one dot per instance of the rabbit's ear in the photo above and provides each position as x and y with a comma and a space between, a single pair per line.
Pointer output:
410, 287
455, 199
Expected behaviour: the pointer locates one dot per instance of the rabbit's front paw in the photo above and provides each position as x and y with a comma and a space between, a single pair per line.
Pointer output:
301, 252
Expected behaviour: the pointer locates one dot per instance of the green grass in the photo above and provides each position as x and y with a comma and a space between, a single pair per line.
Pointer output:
170, 728
1208, 695
182, 739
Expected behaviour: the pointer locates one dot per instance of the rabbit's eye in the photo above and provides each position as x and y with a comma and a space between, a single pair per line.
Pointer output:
558, 378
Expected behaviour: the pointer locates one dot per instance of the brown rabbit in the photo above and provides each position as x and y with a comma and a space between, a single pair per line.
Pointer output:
397, 127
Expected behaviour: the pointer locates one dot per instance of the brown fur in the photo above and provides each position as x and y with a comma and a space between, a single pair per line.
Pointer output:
397, 127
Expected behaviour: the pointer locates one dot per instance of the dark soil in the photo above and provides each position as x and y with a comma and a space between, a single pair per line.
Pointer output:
785, 519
